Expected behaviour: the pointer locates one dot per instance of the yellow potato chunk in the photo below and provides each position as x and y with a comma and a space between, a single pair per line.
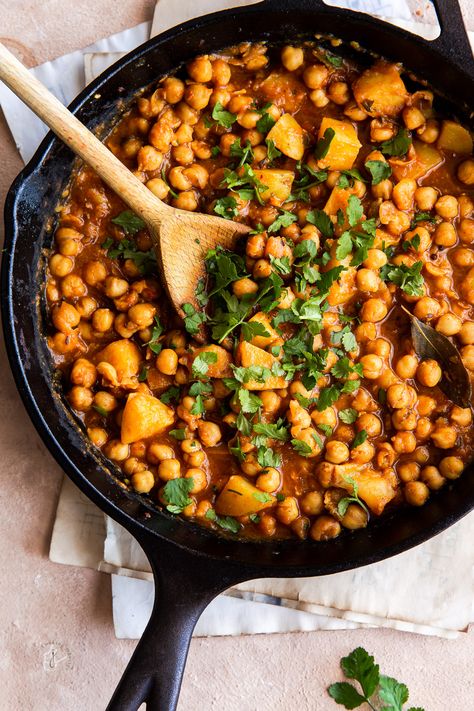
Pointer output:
344, 288
338, 200
144, 416
288, 136
380, 90
124, 356
374, 488
455, 138
248, 355
241, 498
263, 341
221, 368
278, 184
344, 146
426, 158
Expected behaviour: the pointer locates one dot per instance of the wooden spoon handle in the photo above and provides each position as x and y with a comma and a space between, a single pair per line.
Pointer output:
80, 139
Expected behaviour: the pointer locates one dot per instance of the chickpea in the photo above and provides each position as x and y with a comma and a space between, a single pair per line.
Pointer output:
83, 373
319, 98
372, 366
444, 436
386, 378
408, 471
105, 401
186, 200
324, 528
60, 266
326, 417
197, 96
405, 368
312, 503
267, 525
385, 456
461, 416
115, 287
381, 129
143, 481
167, 361
445, 235
199, 478
355, 517
363, 453
373, 310
221, 72
447, 207
451, 467
426, 308
169, 469
102, 320
380, 347
250, 467
209, 433
292, 57
404, 419
336, 452
80, 398
429, 373
424, 428
413, 117
86, 306
466, 230
404, 442
200, 69
197, 175
158, 187
157, 453
287, 510
367, 280
416, 493
352, 111
116, 450
463, 257
376, 259
262, 269
466, 172
382, 190
426, 405
97, 435
466, 333
429, 133
370, 423
271, 402
183, 154
449, 324
315, 76
65, 317
269, 480
245, 286
403, 193
432, 477
425, 198
338, 92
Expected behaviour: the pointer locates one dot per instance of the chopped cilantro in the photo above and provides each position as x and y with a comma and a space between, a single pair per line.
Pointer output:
202, 362
178, 434
398, 145
153, 344
409, 279
176, 494
128, 249
243, 153
274, 431
222, 117
193, 319
359, 439
227, 523
226, 207
272, 150
285, 219
379, 170
129, 222
322, 146
170, 395
348, 416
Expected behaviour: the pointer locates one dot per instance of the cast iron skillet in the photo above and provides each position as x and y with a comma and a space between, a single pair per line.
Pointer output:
192, 565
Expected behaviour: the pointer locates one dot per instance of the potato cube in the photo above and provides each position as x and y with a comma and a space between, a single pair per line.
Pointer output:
380, 90
241, 498
221, 368
144, 416
278, 184
263, 341
455, 138
248, 355
426, 158
288, 137
344, 146
374, 488
124, 356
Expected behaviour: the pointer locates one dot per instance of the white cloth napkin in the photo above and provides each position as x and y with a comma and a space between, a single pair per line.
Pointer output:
427, 590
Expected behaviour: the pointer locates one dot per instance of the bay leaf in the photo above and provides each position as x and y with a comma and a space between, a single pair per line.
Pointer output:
429, 343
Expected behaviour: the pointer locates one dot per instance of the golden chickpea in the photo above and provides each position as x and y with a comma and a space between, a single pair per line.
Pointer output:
200, 69
271, 402
367, 280
292, 57
383, 190
426, 405
426, 308
209, 433
429, 132
315, 76
65, 317
338, 92
319, 98
188, 446
447, 207
408, 471
197, 96
250, 467
370, 423
72, 287
262, 269
403, 193
239, 103
404, 419
287, 510
352, 111
267, 525
115, 287
385, 456
363, 453
102, 320
451, 467
336, 452
429, 373
466, 230
355, 517
81, 398
169, 469
183, 154
116, 450
197, 175
105, 401
157, 453
149, 159
416, 493
86, 306
373, 310
466, 172
196, 459
324, 528
97, 435
269, 480
158, 187
186, 200
413, 117
199, 478
425, 198
83, 373
376, 259
405, 368
380, 347
449, 324
326, 417
312, 503
142, 315
463, 257
221, 72
424, 428
445, 235
461, 416
404, 442
245, 286
372, 366
167, 361
466, 333
432, 477
143, 482
444, 436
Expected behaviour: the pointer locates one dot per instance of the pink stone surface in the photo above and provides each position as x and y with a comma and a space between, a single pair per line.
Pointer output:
44, 606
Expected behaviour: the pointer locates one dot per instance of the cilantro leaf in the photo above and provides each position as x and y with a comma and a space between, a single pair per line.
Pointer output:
348, 416
379, 170
322, 221
409, 279
243, 153
359, 439
413, 243
249, 402
301, 448
285, 219
322, 146
227, 523
222, 117
344, 245
398, 145
226, 207
393, 692
274, 431
153, 344
268, 458
129, 222
262, 497
178, 434
128, 249
327, 397
236, 450
266, 122
170, 395
250, 329
354, 210
421, 217
346, 695
348, 176
281, 264
202, 362
192, 319
272, 150
176, 494
361, 666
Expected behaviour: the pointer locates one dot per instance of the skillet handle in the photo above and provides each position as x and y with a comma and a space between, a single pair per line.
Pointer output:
184, 585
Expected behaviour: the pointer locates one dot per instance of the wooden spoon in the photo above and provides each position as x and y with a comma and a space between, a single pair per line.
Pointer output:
181, 239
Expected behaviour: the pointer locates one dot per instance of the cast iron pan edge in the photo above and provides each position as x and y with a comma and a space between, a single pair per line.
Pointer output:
190, 564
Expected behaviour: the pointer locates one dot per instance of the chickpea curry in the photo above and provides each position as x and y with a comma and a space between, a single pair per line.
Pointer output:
293, 401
